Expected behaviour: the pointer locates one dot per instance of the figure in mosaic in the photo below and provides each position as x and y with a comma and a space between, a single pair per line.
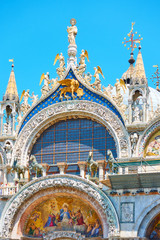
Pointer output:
63, 213
153, 148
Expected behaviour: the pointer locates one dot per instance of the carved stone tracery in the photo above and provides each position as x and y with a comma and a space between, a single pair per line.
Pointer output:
80, 108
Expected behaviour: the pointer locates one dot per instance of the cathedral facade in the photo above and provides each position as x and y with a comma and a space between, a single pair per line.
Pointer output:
83, 160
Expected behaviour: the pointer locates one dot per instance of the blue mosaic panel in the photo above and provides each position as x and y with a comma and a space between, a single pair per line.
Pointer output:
54, 98
70, 141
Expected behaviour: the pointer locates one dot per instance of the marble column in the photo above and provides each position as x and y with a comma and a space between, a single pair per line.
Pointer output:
82, 167
101, 166
62, 167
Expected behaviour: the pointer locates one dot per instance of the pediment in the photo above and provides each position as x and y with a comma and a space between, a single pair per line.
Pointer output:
87, 93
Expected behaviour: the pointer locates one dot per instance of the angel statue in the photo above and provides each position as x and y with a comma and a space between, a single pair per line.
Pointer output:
34, 98
97, 83
61, 69
118, 85
25, 106
72, 32
87, 78
108, 90
45, 89
54, 82
82, 65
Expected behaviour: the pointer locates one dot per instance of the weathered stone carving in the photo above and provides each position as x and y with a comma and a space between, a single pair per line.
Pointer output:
61, 234
8, 150
134, 139
58, 181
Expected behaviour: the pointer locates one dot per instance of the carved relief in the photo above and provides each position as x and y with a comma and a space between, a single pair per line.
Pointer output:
58, 182
80, 107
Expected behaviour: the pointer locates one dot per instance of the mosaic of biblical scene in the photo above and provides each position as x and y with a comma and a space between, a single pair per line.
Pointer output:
153, 231
63, 213
153, 148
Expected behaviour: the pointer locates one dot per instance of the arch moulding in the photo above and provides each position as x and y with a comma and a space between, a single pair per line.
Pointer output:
146, 218
42, 120
39, 188
153, 127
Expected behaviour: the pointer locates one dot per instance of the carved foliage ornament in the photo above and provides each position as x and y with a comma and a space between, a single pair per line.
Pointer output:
100, 112
56, 181
61, 234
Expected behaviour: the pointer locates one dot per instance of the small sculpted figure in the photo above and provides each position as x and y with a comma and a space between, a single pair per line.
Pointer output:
34, 98
8, 149
45, 89
72, 32
97, 83
61, 69
82, 65
25, 106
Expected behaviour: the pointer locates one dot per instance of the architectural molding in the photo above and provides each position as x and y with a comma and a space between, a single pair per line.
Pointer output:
63, 234
152, 128
74, 109
145, 219
104, 206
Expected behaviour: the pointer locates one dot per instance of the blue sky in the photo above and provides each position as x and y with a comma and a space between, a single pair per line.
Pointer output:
34, 31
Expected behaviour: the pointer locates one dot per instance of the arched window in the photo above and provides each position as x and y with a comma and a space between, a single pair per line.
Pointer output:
70, 141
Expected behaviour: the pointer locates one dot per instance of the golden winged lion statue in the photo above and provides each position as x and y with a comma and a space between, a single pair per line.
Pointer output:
72, 86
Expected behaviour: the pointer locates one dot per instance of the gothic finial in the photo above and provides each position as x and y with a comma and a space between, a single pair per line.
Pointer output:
156, 77
12, 60
11, 91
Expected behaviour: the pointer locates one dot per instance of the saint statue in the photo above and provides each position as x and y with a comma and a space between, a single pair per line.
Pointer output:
72, 32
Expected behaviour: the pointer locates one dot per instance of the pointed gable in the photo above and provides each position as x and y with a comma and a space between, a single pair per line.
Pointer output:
89, 94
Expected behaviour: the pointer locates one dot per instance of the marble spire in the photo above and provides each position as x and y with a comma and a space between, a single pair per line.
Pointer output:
11, 91
139, 76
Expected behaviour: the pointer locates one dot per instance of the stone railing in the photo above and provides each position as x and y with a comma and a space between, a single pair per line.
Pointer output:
8, 190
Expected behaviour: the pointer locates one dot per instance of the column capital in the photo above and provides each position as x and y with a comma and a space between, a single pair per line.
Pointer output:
62, 167
82, 164
101, 163
82, 167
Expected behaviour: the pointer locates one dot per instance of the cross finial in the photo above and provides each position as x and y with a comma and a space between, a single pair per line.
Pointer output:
156, 77
131, 40
11, 60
